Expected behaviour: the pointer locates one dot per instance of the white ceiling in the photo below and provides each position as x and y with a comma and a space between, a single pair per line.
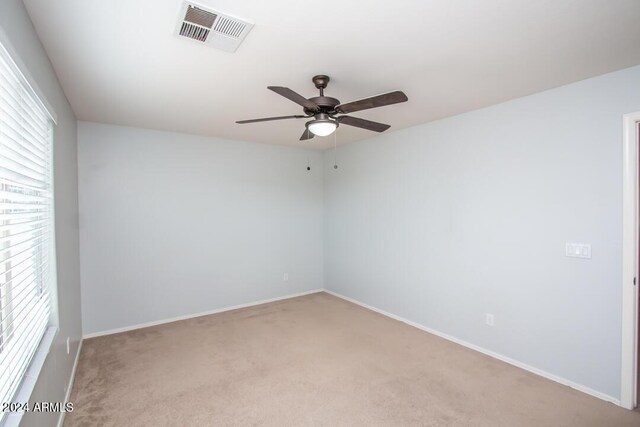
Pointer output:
119, 61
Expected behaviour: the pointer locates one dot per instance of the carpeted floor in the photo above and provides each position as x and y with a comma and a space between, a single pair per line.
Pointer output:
313, 360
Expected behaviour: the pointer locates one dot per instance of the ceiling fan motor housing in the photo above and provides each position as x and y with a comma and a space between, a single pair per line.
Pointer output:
327, 105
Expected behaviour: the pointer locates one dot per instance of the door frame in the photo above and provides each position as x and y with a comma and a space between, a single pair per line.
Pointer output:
630, 251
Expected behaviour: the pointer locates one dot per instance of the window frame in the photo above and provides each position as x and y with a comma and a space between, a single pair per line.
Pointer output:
37, 359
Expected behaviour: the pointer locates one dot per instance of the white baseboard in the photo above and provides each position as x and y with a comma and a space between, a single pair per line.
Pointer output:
495, 355
71, 380
490, 353
204, 313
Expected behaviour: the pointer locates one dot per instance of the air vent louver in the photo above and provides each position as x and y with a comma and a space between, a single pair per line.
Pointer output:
194, 32
197, 23
229, 27
200, 17
214, 28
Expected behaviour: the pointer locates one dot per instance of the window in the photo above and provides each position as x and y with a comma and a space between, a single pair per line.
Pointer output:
26, 224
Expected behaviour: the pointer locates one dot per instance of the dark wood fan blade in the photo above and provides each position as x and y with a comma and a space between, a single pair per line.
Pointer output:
295, 97
362, 123
266, 119
307, 134
373, 102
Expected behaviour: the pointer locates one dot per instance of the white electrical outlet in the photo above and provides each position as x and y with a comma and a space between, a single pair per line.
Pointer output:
68, 350
578, 250
285, 277
489, 320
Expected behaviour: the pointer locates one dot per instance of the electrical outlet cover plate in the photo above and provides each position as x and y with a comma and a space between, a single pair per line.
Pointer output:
489, 319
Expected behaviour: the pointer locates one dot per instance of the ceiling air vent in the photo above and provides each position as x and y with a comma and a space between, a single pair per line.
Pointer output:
216, 29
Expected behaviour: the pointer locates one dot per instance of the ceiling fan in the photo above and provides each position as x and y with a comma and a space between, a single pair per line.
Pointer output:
325, 109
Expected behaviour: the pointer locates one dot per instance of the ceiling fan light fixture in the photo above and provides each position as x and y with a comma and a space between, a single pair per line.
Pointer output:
324, 109
322, 127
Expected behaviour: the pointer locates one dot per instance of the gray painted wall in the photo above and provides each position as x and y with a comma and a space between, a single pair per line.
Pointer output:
54, 378
175, 224
444, 222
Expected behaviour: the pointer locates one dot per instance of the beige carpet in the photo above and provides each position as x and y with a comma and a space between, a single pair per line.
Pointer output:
313, 360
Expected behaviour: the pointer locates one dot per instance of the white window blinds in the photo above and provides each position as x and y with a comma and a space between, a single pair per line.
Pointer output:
26, 225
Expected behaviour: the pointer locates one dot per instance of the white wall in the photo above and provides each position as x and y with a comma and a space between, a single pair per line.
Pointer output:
54, 377
444, 222
175, 224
